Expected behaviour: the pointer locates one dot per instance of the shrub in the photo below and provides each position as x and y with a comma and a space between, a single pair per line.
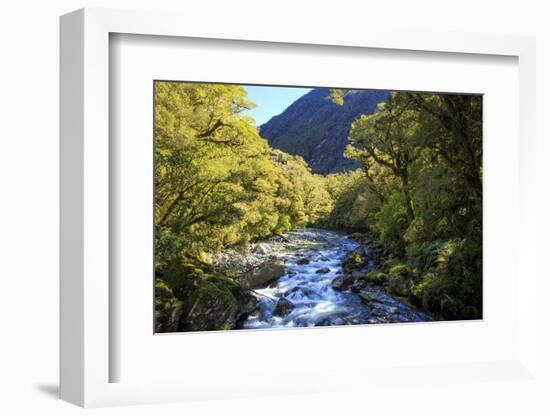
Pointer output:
401, 279
284, 224
391, 221
450, 286
376, 277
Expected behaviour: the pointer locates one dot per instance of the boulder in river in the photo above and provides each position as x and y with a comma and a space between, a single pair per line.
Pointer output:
323, 270
338, 283
368, 297
302, 261
355, 260
357, 274
261, 276
358, 285
283, 307
341, 283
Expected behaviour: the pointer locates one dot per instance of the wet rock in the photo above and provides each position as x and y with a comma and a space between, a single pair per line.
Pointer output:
324, 270
357, 286
302, 261
377, 312
355, 260
261, 249
377, 252
292, 291
263, 275
247, 303
283, 307
385, 310
168, 319
341, 283
338, 283
356, 275
368, 297
364, 258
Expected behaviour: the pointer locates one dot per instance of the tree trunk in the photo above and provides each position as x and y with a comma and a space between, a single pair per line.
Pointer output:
408, 198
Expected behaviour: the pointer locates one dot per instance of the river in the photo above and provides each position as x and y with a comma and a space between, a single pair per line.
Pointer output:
313, 259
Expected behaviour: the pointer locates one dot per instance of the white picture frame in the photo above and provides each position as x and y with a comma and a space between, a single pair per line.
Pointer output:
85, 182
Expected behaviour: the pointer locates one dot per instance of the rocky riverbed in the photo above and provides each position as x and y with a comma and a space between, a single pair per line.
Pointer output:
315, 278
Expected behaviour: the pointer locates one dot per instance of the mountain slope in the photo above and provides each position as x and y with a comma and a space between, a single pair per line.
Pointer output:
317, 129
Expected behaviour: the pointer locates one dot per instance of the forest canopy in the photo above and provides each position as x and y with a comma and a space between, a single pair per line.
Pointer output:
418, 191
217, 182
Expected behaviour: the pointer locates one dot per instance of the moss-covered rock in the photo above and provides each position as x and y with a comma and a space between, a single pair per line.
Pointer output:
217, 304
211, 307
195, 297
400, 280
376, 277
168, 309
354, 260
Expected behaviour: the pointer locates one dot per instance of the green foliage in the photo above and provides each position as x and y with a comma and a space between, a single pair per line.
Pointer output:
401, 279
355, 201
432, 255
337, 96
218, 184
167, 308
388, 138
217, 181
283, 224
451, 286
421, 157
391, 221
164, 297
376, 277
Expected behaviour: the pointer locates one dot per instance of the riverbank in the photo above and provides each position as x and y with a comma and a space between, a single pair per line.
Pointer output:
309, 277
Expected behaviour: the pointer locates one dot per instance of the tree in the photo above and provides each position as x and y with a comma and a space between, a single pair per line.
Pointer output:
217, 182
387, 138
430, 209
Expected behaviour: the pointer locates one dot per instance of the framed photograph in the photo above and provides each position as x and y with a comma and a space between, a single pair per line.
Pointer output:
323, 214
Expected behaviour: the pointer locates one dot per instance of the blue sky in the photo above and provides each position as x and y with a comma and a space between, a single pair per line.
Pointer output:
271, 101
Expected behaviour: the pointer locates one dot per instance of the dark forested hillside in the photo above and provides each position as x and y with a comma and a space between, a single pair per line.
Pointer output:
316, 128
